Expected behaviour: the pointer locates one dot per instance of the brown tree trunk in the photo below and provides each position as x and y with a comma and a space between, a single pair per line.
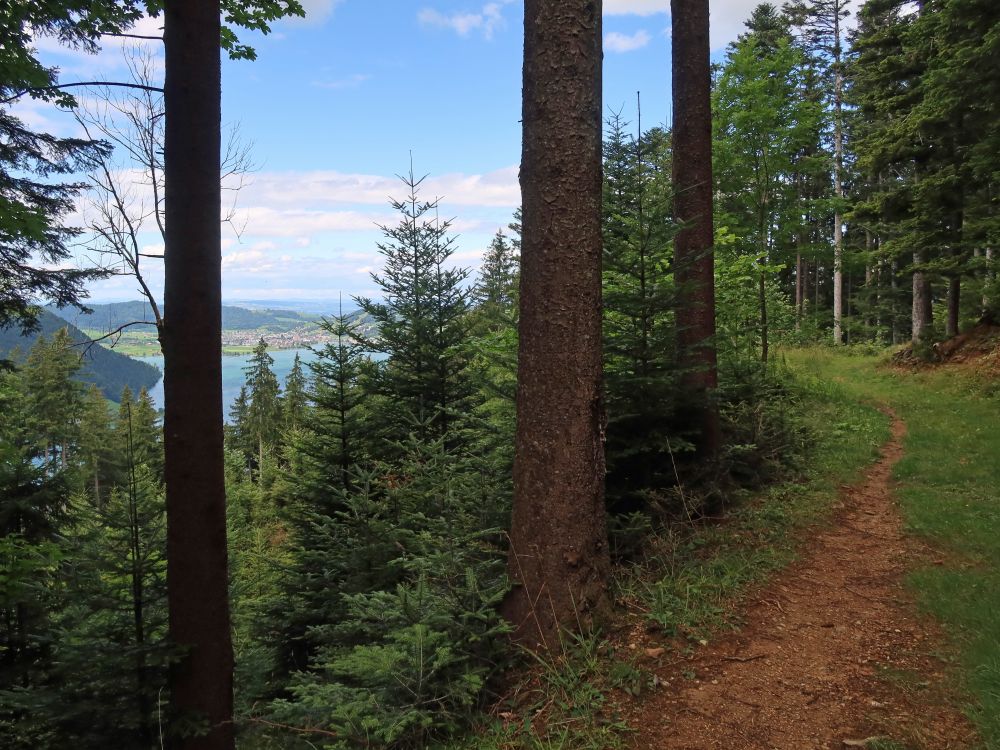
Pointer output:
954, 305
559, 553
838, 182
692, 186
922, 314
799, 288
201, 686
893, 286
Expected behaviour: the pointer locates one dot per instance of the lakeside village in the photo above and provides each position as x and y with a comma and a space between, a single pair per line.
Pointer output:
297, 338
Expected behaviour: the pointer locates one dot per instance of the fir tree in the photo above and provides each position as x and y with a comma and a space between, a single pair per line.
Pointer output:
420, 323
294, 400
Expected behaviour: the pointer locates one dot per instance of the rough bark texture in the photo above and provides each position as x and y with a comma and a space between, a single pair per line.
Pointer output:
197, 586
921, 302
559, 552
692, 183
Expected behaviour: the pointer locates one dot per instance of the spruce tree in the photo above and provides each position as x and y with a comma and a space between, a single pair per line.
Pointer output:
420, 324
640, 372
262, 423
294, 399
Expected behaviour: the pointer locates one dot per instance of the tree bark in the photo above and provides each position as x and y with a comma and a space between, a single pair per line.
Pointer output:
692, 185
838, 182
799, 287
559, 553
197, 581
922, 314
954, 306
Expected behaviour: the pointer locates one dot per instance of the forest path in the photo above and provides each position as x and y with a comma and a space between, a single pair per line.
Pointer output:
832, 652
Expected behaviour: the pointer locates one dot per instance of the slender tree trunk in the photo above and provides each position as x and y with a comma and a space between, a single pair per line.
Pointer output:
692, 186
762, 301
894, 287
922, 314
201, 684
559, 552
799, 290
838, 183
988, 278
954, 306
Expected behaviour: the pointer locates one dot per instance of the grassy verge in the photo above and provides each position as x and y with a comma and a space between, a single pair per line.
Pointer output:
690, 585
949, 489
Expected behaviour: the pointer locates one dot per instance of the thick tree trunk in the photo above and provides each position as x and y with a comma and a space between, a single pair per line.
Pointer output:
922, 315
559, 553
197, 582
692, 186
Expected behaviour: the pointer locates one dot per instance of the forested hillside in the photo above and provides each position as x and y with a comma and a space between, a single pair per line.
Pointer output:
549, 501
110, 371
111, 316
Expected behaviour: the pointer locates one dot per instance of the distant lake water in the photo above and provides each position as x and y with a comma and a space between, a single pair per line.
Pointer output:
233, 376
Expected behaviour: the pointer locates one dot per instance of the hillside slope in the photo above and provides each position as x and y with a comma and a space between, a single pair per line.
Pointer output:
107, 369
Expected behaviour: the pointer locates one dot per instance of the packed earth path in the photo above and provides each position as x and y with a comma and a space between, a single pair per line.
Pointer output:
832, 654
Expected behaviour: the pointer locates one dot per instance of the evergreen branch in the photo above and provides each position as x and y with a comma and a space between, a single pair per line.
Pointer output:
292, 727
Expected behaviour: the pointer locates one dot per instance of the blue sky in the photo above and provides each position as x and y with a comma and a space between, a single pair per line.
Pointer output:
337, 102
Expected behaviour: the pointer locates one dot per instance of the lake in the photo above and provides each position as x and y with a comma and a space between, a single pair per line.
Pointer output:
233, 376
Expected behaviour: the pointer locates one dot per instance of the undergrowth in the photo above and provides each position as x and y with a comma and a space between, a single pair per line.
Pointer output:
688, 583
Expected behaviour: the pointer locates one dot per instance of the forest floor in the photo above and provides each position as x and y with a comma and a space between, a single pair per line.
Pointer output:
832, 654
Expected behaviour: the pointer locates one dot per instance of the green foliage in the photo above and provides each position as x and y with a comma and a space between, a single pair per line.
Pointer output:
641, 377
108, 370
408, 631
421, 325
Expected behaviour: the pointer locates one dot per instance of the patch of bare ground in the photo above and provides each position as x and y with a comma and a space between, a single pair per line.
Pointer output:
832, 654
977, 349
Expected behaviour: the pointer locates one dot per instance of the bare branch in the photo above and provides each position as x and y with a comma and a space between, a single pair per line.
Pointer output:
116, 334
61, 86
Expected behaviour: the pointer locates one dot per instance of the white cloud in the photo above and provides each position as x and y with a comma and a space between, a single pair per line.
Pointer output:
486, 20
635, 7
317, 12
267, 221
325, 188
727, 16
617, 42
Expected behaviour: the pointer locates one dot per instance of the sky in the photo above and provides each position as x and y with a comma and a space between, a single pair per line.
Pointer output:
338, 104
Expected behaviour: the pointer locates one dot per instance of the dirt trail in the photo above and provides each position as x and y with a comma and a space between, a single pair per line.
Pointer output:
832, 650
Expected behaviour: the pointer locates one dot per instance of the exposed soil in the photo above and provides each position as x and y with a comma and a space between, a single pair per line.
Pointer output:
978, 348
832, 654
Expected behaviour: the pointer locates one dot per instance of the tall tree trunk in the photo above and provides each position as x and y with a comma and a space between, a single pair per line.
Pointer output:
922, 314
559, 552
838, 182
201, 684
692, 188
